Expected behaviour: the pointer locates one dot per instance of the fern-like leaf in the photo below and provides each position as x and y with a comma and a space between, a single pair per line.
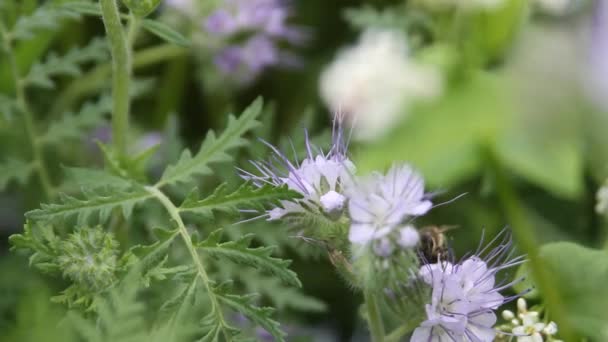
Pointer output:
95, 204
44, 18
95, 179
213, 149
14, 170
72, 126
259, 257
246, 196
262, 316
150, 260
68, 65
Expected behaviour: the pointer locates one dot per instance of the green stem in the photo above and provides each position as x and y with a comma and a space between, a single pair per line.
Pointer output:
526, 240
174, 213
374, 319
121, 74
398, 333
23, 107
95, 79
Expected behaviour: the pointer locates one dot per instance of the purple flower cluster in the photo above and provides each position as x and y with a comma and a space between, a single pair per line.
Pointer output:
464, 295
251, 31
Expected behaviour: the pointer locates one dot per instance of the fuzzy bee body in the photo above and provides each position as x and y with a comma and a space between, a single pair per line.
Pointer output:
433, 243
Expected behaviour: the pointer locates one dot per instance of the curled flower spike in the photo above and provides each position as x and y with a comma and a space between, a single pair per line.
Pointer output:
320, 178
380, 205
464, 295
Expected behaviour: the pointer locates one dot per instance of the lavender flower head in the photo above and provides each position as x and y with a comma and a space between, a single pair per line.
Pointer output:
249, 32
380, 205
464, 295
320, 178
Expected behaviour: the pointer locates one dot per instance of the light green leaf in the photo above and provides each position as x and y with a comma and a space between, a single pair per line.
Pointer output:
141, 8
259, 257
14, 170
246, 196
44, 18
95, 179
581, 275
97, 204
8, 107
443, 139
84, 7
213, 149
74, 126
245, 305
68, 65
164, 32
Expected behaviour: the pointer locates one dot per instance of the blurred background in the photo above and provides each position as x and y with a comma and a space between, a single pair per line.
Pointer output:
504, 101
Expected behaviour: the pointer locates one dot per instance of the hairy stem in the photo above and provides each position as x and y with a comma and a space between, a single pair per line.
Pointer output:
374, 319
121, 74
23, 107
202, 273
524, 236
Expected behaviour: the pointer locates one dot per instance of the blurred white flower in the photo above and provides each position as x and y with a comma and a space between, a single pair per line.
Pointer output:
372, 82
602, 200
555, 7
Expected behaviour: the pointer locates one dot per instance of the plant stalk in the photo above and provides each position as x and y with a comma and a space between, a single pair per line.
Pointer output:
30, 127
121, 74
374, 319
174, 213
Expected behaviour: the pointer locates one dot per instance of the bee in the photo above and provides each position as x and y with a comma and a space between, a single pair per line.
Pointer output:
433, 243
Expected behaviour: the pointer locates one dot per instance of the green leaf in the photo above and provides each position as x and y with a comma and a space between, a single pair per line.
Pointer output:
68, 65
8, 107
259, 257
213, 149
44, 18
150, 260
73, 126
95, 179
141, 8
97, 204
14, 170
443, 139
246, 196
84, 7
580, 274
164, 32
245, 305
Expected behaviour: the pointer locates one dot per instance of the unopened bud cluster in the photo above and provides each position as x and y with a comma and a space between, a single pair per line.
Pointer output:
526, 325
89, 257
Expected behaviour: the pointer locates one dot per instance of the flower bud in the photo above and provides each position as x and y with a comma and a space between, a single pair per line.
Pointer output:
141, 8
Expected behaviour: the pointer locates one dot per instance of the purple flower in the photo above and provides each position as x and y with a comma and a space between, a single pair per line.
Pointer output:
249, 31
380, 205
465, 295
320, 178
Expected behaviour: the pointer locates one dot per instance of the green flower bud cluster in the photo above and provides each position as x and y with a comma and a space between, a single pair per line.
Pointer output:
89, 258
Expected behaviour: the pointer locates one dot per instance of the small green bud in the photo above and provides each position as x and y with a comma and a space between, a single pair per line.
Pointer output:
89, 257
141, 8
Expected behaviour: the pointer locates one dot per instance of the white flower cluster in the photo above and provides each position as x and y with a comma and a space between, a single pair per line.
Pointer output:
527, 327
373, 81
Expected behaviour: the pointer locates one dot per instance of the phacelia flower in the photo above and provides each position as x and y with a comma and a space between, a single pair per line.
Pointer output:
320, 178
380, 205
465, 295
248, 33
373, 82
